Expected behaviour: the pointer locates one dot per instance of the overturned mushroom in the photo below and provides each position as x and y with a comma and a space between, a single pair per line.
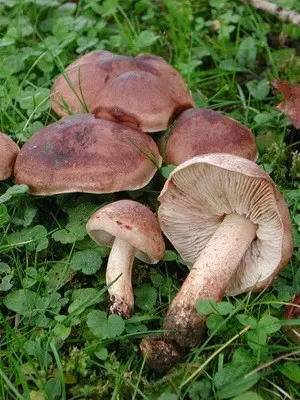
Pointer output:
84, 154
225, 217
143, 92
132, 230
8, 154
200, 131
293, 312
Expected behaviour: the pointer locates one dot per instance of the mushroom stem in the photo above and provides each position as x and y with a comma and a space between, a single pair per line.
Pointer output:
208, 278
120, 265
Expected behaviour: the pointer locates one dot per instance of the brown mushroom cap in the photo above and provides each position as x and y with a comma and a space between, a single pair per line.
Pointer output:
131, 222
144, 92
8, 153
293, 312
84, 154
200, 131
201, 191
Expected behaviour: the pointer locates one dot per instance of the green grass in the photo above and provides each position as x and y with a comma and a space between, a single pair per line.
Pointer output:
56, 341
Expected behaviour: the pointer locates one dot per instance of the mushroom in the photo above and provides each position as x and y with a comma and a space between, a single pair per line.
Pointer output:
225, 217
9, 151
205, 131
84, 154
143, 92
131, 230
293, 312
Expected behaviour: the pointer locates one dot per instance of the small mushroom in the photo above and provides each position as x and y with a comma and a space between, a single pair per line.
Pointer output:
9, 151
225, 217
200, 131
143, 92
293, 312
131, 230
84, 154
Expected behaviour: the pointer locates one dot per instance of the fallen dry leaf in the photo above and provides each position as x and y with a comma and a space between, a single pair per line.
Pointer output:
291, 105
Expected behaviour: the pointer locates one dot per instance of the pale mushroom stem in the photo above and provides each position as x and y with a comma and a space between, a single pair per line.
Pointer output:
120, 263
209, 277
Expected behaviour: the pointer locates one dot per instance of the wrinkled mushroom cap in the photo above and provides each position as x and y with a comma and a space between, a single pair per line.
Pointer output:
132, 222
200, 131
143, 92
201, 191
8, 153
84, 154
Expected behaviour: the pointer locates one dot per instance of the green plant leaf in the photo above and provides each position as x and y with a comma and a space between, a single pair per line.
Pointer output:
61, 332
206, 306
165, 171
218, 4
248, 396
146, 296
269, 324
230, 373
230, 65
105, 327
215, 321
170, 256
14, 191
59, 275
237, 386
259, 89
53, 388
247, 320
256, 339
247, 52
168, 396
145, 39
200, 390
4, 216
87, 261
224, 307
21, 301
101, 354
291, 370
84, 298
157, 280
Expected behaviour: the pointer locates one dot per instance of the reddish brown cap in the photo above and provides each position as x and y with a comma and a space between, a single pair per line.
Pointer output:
143, 92
201, 191
8, 153
84, 154
132, 222
200, 131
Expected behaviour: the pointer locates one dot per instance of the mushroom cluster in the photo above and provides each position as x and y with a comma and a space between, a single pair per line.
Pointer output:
219, 209
144, 92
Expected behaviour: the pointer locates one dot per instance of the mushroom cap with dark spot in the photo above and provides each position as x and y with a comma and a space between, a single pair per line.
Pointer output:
131, 222
84, 154
201, 131
143, 92
8, 154
198, 195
